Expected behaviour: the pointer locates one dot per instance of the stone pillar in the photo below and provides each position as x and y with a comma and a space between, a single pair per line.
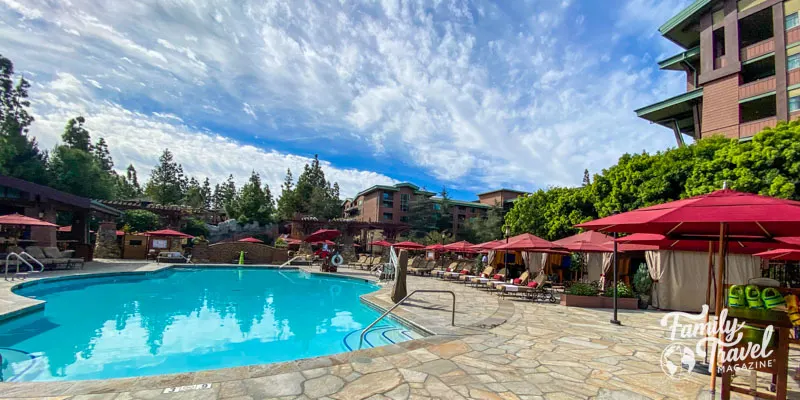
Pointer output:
399, 291
106, 243
305, 248
347, 251
200, 251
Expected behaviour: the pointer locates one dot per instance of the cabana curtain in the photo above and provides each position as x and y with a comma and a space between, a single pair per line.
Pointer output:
490, 257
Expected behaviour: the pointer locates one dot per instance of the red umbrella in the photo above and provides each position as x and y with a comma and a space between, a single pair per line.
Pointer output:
169, 233
460, 247
663, 243
327, 242
586, 242
408, 245
250, 240
526, 242
490, 245
21, 220
436, 247
789, 240
322, 234
382, 243
120, 233
780, 255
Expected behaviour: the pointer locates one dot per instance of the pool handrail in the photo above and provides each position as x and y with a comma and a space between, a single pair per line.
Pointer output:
18, 257
389, 311
32, 258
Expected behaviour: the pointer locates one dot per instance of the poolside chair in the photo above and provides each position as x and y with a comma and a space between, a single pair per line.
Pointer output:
497, 279
367, 263
55, 253
538, 289
37, 253
424, 267
174, 257
484, 277
450, 268
513, 287
361, 259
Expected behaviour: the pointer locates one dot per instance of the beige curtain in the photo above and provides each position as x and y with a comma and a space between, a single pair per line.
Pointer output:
490, 257
608, 259
526, 258
653, 259
594, 266
684, 277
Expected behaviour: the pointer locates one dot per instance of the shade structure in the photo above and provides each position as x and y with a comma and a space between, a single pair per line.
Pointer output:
795, 241
460, 247
490, 245
436, 247
291, 241
169, 233
382, 243
780, 255
322, 234
663, 243
526, 242
745, 215
21, 220
407, 245
250, 240
325, 242
586, 242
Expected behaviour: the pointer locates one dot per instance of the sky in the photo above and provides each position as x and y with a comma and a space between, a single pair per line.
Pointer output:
467, 95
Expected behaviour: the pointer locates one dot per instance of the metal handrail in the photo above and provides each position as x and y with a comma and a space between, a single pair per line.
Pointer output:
8, 258
32, 258
288, 262
389, 311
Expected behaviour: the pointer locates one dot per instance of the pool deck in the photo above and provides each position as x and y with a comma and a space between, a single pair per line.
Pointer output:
499, 349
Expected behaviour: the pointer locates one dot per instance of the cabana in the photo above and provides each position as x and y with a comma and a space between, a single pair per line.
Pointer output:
595, 249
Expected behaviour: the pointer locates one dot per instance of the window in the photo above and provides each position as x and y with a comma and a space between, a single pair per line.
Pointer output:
388, 199
794, 103
462, 217
388, 216
472, 210
404, 218
793, 61
462, 208
404, 199
792, 20
134, 242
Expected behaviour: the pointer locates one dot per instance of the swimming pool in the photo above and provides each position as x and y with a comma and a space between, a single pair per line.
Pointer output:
186, 319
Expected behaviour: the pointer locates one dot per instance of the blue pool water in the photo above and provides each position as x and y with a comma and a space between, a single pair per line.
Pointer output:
186, 319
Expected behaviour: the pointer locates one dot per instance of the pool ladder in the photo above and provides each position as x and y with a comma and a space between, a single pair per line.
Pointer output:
20, 257
399, 303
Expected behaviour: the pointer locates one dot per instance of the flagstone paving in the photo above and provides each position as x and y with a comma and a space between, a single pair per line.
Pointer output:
500, 349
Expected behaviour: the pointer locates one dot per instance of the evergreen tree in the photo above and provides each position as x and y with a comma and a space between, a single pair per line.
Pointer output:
287, 203
216, 197
194, 194
167, 182
20, 156
443, 213
252, 204
103, 156
586, 179
227, 195
205, 190
133, 179
75, 136
422, 216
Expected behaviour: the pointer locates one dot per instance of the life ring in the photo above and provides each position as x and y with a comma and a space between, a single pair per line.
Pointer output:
337, 260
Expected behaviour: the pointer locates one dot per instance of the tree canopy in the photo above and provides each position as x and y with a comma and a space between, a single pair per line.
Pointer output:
312, 195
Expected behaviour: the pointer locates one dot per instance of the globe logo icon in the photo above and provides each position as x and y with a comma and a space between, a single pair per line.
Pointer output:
677, 361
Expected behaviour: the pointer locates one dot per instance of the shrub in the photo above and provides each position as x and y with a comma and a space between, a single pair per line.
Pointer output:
623, 291
582, 289
642, 281
140, 220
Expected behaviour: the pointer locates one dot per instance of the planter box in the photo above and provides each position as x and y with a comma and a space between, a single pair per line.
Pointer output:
571, 300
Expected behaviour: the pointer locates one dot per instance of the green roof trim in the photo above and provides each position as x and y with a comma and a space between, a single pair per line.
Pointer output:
672, 101
678, 20
760, 96
407, 184
502, 190
395, 188
676, 60
462, 203
759, 58
793, 87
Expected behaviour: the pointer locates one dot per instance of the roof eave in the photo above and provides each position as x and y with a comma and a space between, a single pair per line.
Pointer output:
681, 19
676, 60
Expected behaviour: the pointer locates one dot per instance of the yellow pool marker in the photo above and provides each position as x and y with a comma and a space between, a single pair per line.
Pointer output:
241, 257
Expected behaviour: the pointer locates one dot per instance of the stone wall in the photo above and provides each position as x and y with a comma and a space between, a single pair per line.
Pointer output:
256, 253
200, 252
106, 245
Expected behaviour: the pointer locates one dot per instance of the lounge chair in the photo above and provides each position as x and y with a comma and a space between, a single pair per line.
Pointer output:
484, 277
56, 254
450, 268
538, 289
521, 281
361, 259
174, 257
366, 263
424, 267
37, 253
497, 279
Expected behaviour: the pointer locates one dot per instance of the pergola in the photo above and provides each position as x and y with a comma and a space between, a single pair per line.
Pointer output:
349, 228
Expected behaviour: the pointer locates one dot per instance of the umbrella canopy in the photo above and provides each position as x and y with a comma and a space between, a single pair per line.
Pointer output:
250, 240
322, 234
325, 242
780, 255
746, 215
664, 243
169, 233
408, 245
586, 242
526, 242
460, 247
490, 245
436, 247
795, 241
21, 220
382, 243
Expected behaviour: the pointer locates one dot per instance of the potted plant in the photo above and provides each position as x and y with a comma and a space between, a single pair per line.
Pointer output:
581, 295
643, 285
626, 299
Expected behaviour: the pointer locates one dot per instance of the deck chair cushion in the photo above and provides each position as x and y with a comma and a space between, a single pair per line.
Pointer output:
52, 252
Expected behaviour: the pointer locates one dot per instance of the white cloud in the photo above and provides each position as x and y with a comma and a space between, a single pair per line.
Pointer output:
474, 95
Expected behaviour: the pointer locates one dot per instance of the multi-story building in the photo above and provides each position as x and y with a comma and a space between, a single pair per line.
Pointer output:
392, 204
742, 65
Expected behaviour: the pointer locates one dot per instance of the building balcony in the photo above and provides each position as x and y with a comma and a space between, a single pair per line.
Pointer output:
758, 49
720, 62
756, 88
753, 127
793, 35
794, 77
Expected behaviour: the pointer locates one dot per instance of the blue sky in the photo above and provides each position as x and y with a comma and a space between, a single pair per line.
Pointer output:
471, 95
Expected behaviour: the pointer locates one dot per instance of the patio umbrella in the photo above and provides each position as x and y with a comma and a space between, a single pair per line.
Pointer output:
169, 233
325, 242
381, 243
460, 247
718, 216
322, 234
780, 255
527, 242
741, 246
789, 240
21, 220
250, 240
586, 242
436, 247
409, 245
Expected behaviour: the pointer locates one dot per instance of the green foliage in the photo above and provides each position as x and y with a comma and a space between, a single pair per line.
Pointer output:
195, 227
281, 243
77, 171
624, 291
167, 183
127, 186
103, 156
140, 220
642, 281
287, 203
194, 196
582, 289
484, 229
75, 136
421, 216
551, 214
437, 237
313, 195
253, 203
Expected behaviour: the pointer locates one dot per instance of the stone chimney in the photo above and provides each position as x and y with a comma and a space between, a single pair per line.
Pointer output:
106, 245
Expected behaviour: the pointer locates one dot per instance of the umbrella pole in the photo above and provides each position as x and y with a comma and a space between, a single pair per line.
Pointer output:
614, 320
718, 307
708, 289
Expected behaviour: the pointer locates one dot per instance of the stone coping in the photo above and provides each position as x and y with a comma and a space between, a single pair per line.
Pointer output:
438, 335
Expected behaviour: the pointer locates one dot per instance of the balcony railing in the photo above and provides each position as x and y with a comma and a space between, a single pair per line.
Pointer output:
751, 128
793, 35
758, 49
756, 88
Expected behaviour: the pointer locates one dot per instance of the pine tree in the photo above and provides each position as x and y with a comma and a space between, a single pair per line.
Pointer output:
206, 192
103, 156
216, 197
133, 178
76, 136
252, 204
586, 179
167, 183
287, 203
20, 156
127, 186
194, 194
